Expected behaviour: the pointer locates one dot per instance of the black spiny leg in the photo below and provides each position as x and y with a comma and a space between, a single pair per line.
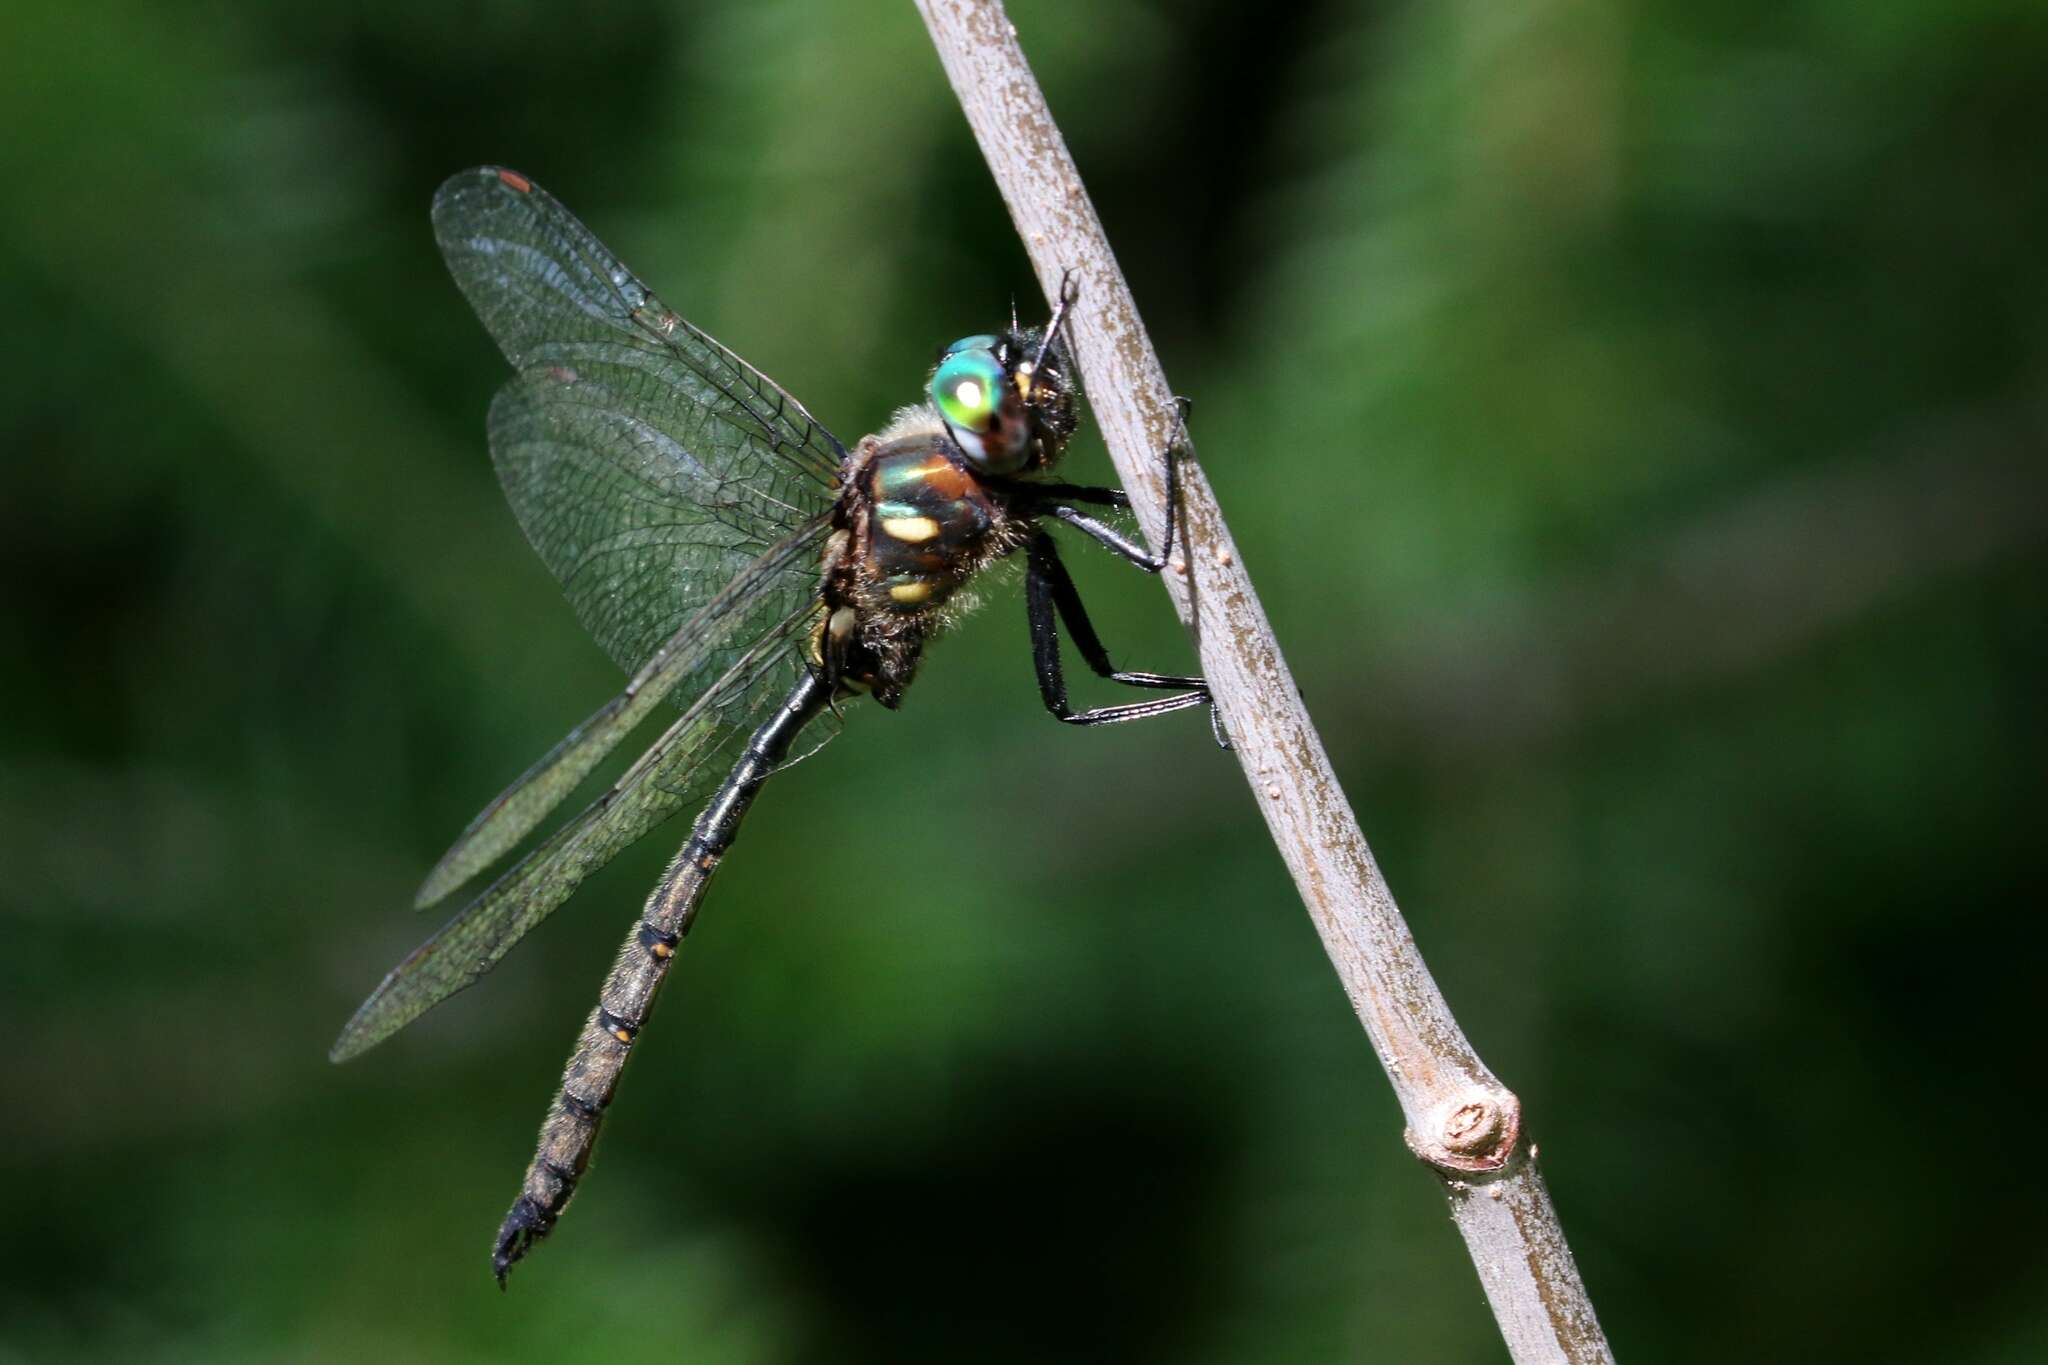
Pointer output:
1049, 599
1054, 499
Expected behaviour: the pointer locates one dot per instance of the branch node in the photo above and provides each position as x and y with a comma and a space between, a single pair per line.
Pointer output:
1475, 1134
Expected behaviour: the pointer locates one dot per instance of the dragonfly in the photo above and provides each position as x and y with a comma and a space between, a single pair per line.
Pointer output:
749, 573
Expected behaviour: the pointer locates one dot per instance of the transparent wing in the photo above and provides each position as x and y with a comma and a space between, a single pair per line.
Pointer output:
679, 496
754, 603
673, 490
645, 461
682, 768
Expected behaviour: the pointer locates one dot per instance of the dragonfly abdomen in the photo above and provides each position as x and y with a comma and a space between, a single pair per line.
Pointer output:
569, 1133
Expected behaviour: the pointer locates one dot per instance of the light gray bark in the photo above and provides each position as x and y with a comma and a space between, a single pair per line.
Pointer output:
1461, 1121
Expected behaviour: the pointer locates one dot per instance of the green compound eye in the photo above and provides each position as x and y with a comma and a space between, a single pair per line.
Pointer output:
967, 386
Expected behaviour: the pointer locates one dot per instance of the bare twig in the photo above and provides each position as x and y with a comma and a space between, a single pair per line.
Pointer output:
1461, 1121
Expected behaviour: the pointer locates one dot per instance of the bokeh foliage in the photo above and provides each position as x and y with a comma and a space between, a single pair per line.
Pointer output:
1631, 413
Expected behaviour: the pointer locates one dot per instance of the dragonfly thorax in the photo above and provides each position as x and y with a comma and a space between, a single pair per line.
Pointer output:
915, 522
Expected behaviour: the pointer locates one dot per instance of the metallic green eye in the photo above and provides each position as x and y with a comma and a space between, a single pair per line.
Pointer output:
967, 386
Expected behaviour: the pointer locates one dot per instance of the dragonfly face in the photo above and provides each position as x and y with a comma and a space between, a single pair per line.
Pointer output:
1006, 400
742, 565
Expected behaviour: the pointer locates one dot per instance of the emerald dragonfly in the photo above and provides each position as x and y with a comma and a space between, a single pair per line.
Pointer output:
740, 564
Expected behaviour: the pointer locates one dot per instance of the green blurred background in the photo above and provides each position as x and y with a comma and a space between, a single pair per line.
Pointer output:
1631, 414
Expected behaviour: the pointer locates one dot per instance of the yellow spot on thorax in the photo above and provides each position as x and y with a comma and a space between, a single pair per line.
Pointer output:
910, 530
909, 593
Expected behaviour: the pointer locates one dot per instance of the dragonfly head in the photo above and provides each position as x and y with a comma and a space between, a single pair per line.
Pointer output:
1007, 400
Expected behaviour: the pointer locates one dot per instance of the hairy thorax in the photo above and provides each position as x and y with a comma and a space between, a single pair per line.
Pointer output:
914, 523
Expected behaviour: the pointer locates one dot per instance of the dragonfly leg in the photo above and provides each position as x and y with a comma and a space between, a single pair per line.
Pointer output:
1051, 600
1057, 499
1054, 500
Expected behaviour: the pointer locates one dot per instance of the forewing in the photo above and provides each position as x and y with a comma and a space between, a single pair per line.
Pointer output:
643, 459
682, 768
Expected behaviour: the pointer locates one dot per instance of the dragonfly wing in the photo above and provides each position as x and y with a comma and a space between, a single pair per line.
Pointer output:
677, 494
642, 458
674, 491
683, 767
641, 532
751, 604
